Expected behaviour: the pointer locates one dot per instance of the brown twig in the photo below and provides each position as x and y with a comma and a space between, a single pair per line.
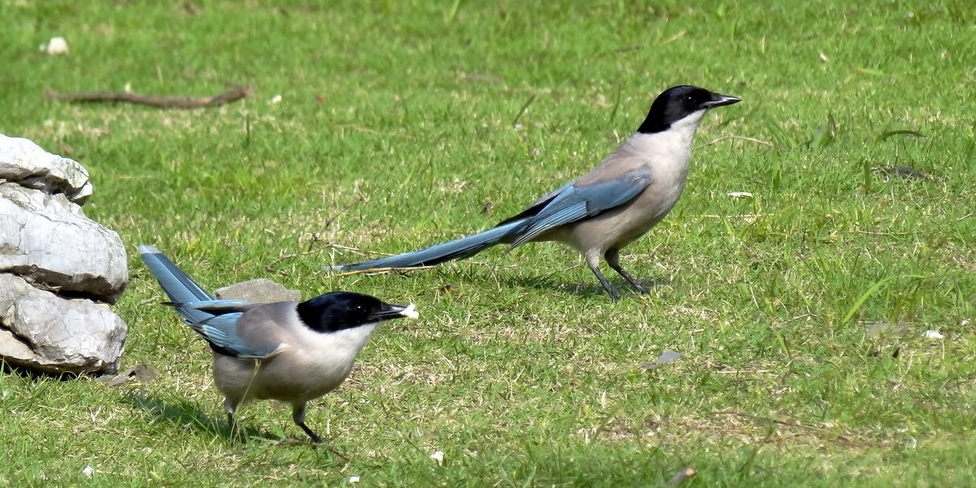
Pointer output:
232, 95
333, 218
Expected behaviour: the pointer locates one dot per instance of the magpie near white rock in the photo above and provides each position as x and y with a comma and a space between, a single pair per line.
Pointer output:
58, 268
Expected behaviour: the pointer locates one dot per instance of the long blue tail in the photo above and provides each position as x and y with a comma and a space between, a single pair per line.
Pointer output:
464, 247
180, 288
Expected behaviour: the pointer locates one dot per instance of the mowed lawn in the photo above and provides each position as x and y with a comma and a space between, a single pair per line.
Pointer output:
818, 277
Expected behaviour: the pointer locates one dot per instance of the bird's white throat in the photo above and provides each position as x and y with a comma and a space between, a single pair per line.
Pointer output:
671, 149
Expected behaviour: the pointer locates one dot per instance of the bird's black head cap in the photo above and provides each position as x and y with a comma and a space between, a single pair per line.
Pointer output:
342, 310
678, 102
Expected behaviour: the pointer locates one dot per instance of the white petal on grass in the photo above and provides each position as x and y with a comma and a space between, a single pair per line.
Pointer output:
438, 457
739, 194
274, 100
354, 479
88, 471
933, 334
57, 45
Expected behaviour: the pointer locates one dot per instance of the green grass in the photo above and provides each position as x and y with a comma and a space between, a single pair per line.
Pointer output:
404, 123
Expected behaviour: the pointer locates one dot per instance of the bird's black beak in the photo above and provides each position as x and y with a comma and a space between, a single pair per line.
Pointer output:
719, 100
388, 311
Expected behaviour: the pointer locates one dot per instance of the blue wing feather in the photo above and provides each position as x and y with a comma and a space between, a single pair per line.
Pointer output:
577, 202
215, 320
559, 215
223, 335
215, 307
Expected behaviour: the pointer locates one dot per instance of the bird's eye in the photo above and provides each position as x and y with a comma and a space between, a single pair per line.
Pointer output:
690, 99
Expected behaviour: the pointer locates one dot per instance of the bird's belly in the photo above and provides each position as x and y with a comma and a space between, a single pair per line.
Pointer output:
284, 378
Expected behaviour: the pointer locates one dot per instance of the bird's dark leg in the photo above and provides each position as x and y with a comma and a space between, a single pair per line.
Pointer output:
229, 406
613, 259
298, 415
315, 438
593, 264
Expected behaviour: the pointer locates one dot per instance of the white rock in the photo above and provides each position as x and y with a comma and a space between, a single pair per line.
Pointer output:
53, 262
25, 163
49, 241
45, 332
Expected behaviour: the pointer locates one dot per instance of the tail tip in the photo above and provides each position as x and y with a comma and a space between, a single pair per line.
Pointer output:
148, 249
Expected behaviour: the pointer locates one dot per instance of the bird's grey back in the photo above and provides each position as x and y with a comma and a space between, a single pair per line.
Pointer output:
269, 323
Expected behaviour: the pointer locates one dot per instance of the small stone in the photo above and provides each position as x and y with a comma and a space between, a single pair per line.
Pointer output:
141, 373
259, 290
888, 329
666, 357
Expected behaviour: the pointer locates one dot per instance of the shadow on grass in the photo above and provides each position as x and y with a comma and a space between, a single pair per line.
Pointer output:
546, 463
188, 416
592, 289
33, 374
